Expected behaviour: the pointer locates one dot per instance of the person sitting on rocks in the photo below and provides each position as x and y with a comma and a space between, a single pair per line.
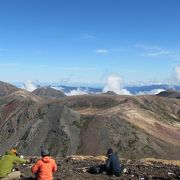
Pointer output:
113, 166
6, 165
44, 167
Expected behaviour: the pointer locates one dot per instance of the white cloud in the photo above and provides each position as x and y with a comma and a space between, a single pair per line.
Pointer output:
8, 64
77, 91
77, 68
102, 51
115, 83
29, 86
147, 47
88, 36
177, 73
152, 92
152, 51
158, 53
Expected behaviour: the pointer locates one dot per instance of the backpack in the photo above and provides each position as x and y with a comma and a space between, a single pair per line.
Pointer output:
94, 169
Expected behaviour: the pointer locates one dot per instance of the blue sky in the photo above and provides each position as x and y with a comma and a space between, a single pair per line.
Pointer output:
85, 41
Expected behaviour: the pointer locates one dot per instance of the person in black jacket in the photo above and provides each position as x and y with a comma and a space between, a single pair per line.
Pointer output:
113, 166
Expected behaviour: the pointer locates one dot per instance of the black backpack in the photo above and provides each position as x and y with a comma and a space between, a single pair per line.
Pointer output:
97, 169
94, 169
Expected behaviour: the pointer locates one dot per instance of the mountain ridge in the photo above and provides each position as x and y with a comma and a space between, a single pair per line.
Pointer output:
135, 126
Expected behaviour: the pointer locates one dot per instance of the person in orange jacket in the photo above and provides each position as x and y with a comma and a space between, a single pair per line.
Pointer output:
44, 168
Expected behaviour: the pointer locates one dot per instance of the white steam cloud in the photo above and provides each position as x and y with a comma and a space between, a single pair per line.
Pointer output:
29, 86
177, 73
77, 91
115, 83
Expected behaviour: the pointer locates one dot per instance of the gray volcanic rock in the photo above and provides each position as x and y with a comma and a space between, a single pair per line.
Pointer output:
6, 89
53, 128
48, 92
110, 93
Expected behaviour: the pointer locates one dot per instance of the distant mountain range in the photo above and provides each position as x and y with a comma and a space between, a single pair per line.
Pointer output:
134, 90
149, 88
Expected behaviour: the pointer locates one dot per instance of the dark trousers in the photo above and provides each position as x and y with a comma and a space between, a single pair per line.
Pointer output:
109, 172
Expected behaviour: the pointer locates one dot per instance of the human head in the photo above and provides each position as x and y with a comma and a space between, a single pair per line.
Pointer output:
44, 152
14, 150
109, 152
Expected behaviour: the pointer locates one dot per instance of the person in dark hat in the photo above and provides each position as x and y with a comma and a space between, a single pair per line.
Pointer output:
113, 166
44, 168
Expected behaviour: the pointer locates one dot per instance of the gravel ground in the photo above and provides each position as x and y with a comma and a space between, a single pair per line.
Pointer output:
71, 169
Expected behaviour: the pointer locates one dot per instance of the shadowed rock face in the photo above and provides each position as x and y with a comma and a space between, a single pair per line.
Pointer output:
170, 94
142, 126
33, 124
110, 93
6, 89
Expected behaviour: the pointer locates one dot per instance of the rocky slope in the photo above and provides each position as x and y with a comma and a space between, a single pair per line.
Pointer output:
6, 89
135, 126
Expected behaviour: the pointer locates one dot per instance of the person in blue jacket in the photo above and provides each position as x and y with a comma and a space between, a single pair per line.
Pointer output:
113, 166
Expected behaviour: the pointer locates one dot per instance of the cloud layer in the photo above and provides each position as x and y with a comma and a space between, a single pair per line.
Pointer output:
152, 92
77, 91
